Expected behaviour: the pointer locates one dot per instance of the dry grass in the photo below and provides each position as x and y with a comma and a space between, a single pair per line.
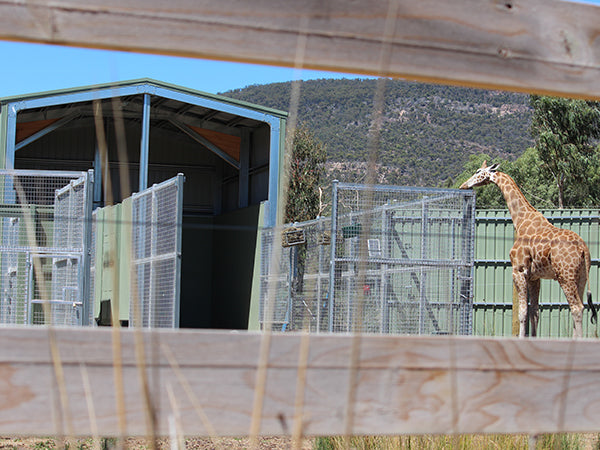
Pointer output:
478, 442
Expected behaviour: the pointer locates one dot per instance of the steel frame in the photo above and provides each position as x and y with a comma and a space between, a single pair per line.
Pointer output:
148, 89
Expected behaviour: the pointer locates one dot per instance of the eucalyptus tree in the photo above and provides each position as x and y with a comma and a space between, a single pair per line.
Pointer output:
566, 133
306, 167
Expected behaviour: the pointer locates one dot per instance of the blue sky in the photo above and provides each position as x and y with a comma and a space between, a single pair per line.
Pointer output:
38, 68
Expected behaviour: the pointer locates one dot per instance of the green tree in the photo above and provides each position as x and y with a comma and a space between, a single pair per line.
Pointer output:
565, 131
527, 173
307, 162
535, 182
306, 167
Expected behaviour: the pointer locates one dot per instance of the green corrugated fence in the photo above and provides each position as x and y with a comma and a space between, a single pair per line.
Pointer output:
493, 292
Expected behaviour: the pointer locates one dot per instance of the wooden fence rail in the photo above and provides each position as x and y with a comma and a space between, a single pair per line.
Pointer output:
66, 382
61, 382
527, 45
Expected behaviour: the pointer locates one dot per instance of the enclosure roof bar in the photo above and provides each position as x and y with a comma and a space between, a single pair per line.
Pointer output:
206, 143
74, 97
216, 104
49, 129
147, 86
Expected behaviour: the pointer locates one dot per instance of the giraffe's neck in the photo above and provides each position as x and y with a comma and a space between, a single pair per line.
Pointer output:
520, 209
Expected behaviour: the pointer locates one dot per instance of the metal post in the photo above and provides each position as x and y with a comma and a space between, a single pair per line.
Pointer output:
454, 271
144, 144
153, 244
291, 275
320, 246
467, 272
334, 200
28, 292
385, 253
273, 216
423, 283
179, 225
97, 197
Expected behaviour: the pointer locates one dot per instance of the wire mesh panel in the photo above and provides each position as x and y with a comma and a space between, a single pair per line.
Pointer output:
390, 260
156, 255
295, 276
43, 226
69, 235
402, 260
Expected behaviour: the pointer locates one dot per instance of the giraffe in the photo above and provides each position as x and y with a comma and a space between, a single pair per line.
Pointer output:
541, 250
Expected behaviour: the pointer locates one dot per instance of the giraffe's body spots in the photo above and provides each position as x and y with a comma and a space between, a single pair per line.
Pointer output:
540, 251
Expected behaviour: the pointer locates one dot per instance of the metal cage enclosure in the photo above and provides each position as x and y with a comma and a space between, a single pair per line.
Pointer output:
390, 260
44, 227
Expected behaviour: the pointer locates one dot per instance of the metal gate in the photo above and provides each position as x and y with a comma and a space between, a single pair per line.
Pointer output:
156, 254
44, 229
294, 281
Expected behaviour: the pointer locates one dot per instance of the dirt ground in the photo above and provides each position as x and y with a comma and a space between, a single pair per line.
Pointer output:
272, 443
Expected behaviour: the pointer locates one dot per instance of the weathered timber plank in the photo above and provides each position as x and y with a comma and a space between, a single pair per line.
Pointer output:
528, 45
403, 384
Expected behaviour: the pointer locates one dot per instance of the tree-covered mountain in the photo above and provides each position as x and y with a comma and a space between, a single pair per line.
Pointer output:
428, 131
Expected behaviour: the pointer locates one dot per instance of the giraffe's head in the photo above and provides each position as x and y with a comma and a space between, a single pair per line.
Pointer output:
484, 175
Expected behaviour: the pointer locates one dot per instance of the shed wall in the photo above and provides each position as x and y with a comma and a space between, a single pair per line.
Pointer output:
196, 271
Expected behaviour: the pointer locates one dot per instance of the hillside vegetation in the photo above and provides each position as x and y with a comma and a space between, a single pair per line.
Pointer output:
428, 132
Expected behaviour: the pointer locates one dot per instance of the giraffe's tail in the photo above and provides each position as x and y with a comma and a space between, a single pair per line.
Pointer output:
588, 261
592, 307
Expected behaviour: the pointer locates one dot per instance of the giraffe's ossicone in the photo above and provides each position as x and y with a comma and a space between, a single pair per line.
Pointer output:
540, 251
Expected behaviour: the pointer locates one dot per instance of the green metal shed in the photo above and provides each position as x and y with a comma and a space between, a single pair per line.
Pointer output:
134, 134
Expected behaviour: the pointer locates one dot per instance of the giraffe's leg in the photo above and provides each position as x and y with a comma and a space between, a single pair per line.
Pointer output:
521, 286
582, 283
534, 306
570, 289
